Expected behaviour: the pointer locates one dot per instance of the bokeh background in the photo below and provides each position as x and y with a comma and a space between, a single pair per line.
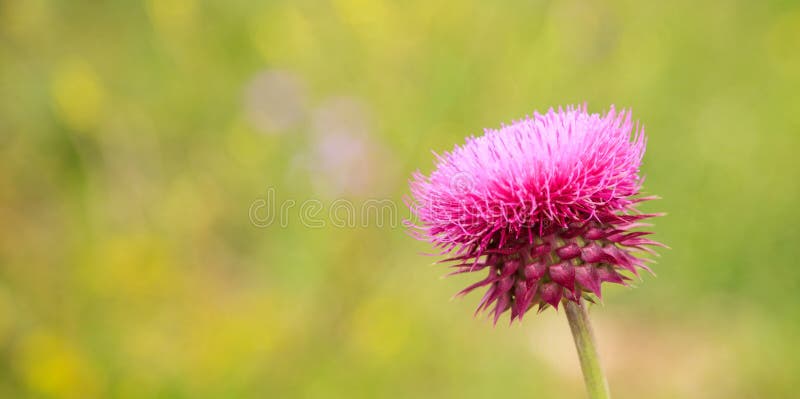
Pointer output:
135, 138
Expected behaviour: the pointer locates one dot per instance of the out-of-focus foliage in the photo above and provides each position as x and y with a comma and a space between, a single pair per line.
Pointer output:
139, 139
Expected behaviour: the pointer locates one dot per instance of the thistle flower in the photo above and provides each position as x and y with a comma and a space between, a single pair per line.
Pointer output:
546, 207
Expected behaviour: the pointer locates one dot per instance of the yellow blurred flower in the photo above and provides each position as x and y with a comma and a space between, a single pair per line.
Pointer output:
388, 32
246, 146
369, 18
172, 17
380, 330
53, 366
77, 94
131, 269
282, 35
230, 335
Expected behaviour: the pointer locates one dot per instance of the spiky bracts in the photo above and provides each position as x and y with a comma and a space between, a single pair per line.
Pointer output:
546, 204
558, 264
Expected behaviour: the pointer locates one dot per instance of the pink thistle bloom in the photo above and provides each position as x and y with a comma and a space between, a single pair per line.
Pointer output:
544, 206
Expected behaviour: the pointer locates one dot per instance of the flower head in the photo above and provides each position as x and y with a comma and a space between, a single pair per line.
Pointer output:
546, 205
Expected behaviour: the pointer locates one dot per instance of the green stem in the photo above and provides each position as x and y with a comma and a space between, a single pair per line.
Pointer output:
593, 376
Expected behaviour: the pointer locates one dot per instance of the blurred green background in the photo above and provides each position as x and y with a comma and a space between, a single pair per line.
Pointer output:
136, 138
